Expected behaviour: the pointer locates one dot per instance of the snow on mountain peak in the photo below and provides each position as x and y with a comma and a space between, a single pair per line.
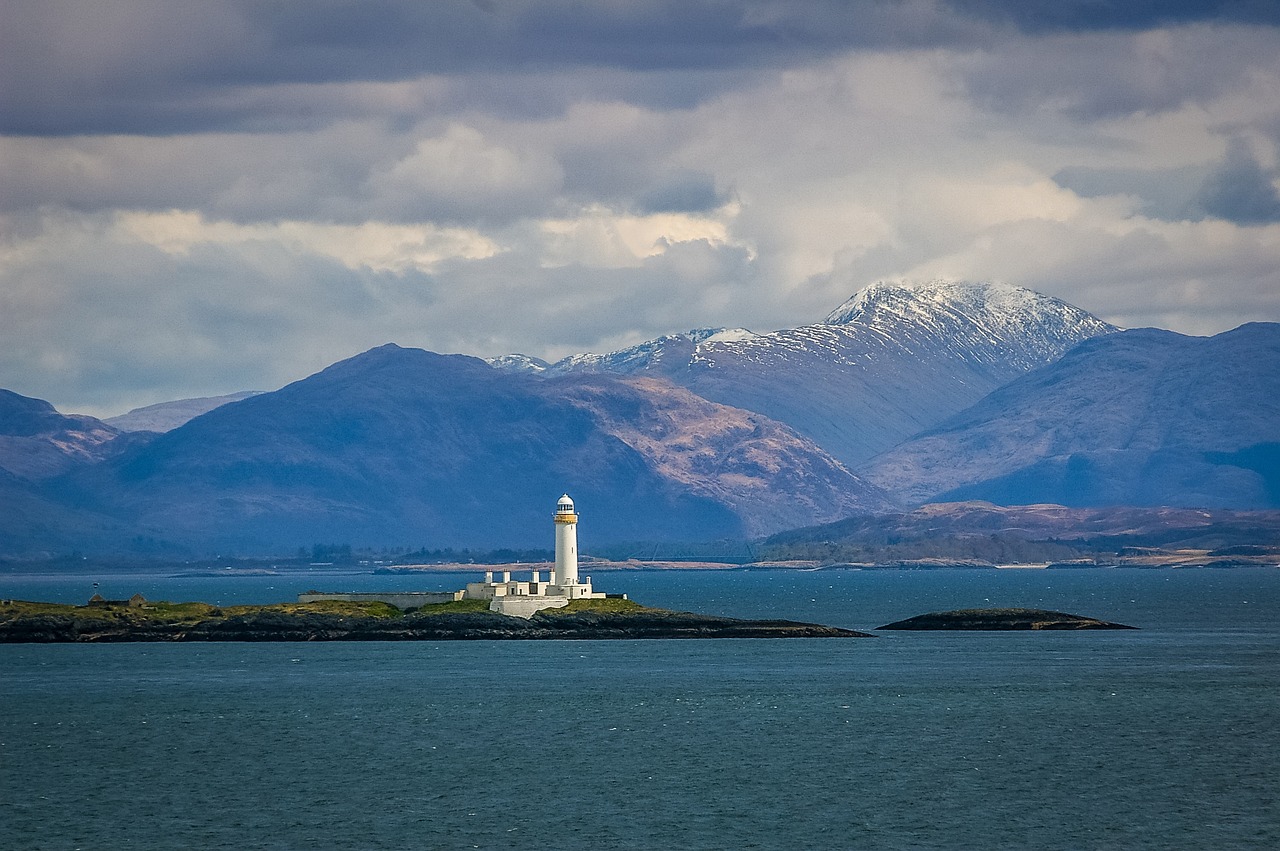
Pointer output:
729, 335
973, 311
979, 321
518, 363
970, 297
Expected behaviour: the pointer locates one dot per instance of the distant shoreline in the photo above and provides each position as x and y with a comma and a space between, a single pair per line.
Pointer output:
266, 569
1179, 561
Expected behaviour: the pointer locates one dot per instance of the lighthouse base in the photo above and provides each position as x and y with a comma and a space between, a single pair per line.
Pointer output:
521, 598
525, 607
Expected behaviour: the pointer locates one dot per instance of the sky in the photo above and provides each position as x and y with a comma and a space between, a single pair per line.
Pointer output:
201, 198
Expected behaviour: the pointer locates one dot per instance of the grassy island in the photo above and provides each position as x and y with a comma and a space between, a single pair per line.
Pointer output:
332, 620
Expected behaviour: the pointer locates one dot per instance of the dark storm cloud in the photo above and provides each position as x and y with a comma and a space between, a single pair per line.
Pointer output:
148, 66
152, 66
1238, 189
683, 193
1040, 16
1241, 190
1118, 73
1167, 194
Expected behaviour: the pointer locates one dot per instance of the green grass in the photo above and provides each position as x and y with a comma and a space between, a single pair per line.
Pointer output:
162, 611
347, 608
455, 606
608, 604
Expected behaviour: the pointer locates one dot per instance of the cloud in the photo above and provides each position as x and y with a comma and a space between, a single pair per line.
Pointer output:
1039, 16
101, 314
229, 196
1110, 75
1241, 190
105, 312
1167, 193
150, 66
461, 174
684, 192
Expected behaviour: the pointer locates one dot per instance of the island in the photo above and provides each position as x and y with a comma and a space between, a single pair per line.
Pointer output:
1001, 619
333, 620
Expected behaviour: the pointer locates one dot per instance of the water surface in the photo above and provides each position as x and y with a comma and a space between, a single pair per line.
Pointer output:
1164, 737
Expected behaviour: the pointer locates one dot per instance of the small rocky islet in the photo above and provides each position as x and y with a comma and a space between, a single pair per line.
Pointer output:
1000, 620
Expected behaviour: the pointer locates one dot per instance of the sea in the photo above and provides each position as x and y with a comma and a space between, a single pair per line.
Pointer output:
1163, 737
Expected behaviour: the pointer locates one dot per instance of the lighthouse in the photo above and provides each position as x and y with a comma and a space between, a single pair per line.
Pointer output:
566, 543
522, 599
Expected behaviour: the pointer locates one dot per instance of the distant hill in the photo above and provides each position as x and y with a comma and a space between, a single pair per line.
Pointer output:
403, 445
37, 445
895, 359
983, 532
767, 474
37, 442
1141, 417
166, 416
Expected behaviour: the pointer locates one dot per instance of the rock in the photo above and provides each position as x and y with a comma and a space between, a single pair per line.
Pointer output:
1001, 619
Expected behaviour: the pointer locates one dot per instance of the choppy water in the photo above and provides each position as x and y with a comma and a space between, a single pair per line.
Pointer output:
1164, 738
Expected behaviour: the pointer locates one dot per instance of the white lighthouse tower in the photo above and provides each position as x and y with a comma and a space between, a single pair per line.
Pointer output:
566, 575
520, 598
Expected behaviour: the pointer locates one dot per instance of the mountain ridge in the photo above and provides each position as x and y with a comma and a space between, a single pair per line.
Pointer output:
408, 445
1140, 417
893, 360
166, 416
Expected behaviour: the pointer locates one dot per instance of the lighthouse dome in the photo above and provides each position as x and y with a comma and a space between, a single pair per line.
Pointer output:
565, 505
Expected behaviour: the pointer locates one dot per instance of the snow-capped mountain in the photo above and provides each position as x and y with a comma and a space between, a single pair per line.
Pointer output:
893, 360
518, 363
997, 323
668, 351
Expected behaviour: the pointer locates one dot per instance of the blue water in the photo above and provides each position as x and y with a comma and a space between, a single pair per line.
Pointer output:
1167, 737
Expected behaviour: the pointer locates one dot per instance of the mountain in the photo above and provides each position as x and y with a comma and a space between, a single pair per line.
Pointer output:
893, 360
664, 355
37, 445
37, 442
1141, 417
403, 445
767, 474
166, 416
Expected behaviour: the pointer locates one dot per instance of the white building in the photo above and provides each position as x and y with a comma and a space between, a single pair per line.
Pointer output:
520, 598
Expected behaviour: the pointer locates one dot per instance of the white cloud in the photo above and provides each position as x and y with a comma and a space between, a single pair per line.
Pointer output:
601, 237
461, 173
380, 246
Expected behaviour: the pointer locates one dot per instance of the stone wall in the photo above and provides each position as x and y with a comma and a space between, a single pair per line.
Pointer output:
524, 607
